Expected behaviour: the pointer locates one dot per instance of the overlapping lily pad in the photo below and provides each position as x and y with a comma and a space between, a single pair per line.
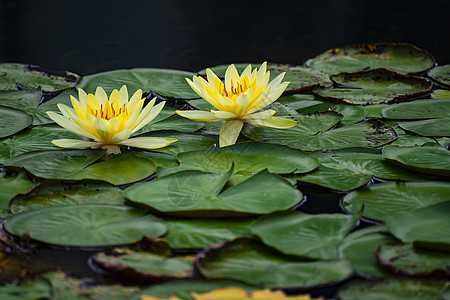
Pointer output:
165, 82
427, 159
82, 164
252, 262
441, 94
142, 266
372, 87
10, 186
88, 225
383, 200
199, 194
412, 261
418, 110
57, 193
348, 169
403, 58
312, 236
13, 121
441, 75
426, 227
31, 77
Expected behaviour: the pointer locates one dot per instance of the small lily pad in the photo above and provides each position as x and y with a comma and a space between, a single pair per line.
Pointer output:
441, 75
373, 87
441, 94
144, 266
408, 260
387, 199
252, 262
425, 159
82, 164
11, 186
403, 58
426, 227
165, 82
86, 225
32, 77
13, 121
199, 194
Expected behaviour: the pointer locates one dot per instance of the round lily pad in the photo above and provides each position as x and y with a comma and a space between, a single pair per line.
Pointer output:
144, 266
31, 77
57, 193
252, 262
426, 159
418, 109
431, 127
88, 225
295, 233
403, 58
165, 82
82, 164
199, 194
408, 260
441, 75
387, 199
426, 227
12, 121
373, 87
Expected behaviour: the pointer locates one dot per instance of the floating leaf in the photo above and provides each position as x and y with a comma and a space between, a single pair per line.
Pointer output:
11, 186
32, 77
251, 262
426, 159
198, 194
57, 193
405, 139
412, 261
165, 82
376, 86
431, 127
13, 121
200, 233
418, 109
295, 233
144, 266
26, 101
38, 289
39, 114
240, 294
86, 225
387, 199
403, 58
81, 164
441, 75
441, 94
426, 227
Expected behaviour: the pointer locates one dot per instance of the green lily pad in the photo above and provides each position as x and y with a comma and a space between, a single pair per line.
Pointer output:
403, 58
183, 288
82, 164
26, 101
431, 127
412, 261
56, 193
360, 247
441, 94
32, 77
393, 289
364, 134
441, 75
426, 226
34, 139
378, 86
199, 194
249, 261
426, 159
144, 266
38, 289
312, 236
86, 225
249, 158
165, 82
387, 199
418, 109
39, 114
201, 233
348, 169
11, 186
405, 139
13, 121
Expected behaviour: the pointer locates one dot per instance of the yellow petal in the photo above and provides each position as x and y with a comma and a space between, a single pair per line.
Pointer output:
231, 75
273, 122
148, 142
100, 95
114, 100
121, 136
103, 130
259, 115
229, 132
114, 124
111, 149
198, 115
83, 97
68, 124
155, 110
242, 103
123, 95
223, 115
135, 101
72, 143
86, 127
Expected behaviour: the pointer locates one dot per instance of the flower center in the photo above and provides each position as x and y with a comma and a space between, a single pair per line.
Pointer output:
106, 112
236, 88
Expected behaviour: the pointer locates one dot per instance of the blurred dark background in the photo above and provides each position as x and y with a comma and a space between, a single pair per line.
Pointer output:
93, 36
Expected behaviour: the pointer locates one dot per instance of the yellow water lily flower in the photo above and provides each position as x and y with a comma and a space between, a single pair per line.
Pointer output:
238, 100
109, 122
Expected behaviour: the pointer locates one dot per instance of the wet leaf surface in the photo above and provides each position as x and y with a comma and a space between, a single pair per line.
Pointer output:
441, 75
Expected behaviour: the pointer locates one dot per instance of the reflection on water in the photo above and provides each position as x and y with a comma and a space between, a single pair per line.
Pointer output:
88, 37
